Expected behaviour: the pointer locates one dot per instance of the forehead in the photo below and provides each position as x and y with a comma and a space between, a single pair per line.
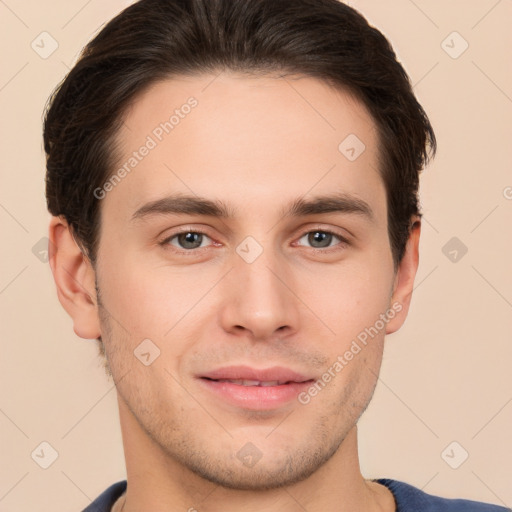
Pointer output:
246, 138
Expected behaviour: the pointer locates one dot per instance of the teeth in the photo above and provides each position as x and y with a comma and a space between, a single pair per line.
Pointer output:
242, 382
250, 382
270, 383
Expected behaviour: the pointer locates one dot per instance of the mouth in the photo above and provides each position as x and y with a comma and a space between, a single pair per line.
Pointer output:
255, 389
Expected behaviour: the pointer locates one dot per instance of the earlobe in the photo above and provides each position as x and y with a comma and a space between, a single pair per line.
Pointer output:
404, 279
75, 279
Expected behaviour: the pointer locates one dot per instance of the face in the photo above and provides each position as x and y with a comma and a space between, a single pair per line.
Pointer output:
242, 269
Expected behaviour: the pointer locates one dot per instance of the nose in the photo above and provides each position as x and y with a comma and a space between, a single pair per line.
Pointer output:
259, 299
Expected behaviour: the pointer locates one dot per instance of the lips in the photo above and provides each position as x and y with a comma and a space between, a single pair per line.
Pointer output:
248, 376
256, 389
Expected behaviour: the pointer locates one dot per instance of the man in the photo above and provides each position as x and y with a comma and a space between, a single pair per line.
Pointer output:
233, 186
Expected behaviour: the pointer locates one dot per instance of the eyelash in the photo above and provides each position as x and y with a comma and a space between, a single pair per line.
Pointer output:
191, 252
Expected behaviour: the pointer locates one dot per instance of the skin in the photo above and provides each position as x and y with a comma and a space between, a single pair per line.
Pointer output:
257, 144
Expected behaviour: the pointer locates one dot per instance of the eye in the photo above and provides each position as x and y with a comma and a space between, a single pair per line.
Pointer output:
321, 239
187, 240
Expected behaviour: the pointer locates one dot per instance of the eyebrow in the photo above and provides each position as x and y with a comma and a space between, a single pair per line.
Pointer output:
194, 205
331, 203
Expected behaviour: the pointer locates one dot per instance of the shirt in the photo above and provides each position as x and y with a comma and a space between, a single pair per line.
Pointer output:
408, 499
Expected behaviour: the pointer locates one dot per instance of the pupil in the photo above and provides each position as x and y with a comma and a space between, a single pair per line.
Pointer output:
189, 240
318, 236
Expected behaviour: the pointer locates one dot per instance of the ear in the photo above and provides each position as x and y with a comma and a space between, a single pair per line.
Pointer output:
404, 279
75, 279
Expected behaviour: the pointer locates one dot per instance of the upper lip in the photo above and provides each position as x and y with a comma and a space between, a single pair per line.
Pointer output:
275, 373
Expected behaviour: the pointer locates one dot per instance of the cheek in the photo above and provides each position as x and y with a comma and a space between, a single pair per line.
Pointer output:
150, 301
350, 297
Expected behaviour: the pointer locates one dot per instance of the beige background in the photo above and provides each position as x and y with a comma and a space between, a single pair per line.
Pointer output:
446, 374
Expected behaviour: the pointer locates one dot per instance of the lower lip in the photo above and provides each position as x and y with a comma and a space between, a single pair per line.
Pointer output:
256, 397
